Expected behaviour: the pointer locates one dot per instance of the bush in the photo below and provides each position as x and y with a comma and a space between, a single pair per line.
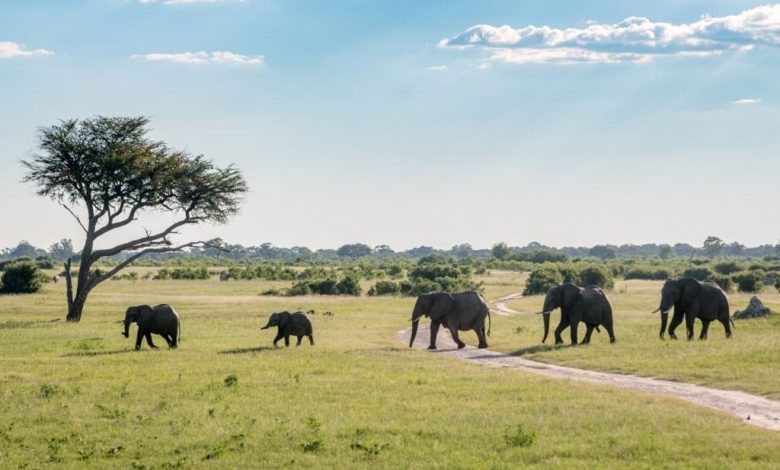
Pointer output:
597, 276
419, 287
541, 280
749, 281
701, 274
725, 282
777, 284
385, 288
727, 267
349, 286
648, 273
21, 278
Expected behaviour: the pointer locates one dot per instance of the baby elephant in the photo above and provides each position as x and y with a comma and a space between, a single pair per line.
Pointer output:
290, 324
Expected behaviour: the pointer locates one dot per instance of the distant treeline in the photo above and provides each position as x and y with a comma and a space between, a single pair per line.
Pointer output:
533, 252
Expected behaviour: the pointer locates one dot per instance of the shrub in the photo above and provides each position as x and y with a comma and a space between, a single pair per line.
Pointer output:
385, 288
21, 278
725, 282
777, 284
597, 275
701, 273
350, 285
727, 267
749, 281
419, 286
541, 280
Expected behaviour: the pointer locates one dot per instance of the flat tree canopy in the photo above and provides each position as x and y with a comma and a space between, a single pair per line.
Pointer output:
106, 172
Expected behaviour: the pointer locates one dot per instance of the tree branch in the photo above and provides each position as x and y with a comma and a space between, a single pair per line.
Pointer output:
114, 225
144, 241
97, 280
74, 216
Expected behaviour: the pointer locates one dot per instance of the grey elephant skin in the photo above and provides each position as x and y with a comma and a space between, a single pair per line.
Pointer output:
589, 305
290, 324
159, 320
457, 312
693, 299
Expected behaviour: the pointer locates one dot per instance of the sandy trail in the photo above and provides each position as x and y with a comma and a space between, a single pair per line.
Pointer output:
751, 409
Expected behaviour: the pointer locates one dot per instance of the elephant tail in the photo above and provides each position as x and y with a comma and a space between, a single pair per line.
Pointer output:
178, 332
597, 329
731, 319
490, 322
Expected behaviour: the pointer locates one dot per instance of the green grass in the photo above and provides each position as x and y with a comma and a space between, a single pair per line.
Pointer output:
748, 361
77, 396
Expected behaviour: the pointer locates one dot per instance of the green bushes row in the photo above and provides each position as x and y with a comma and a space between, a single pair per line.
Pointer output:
550, 275
188, 273
268, 272
346, 285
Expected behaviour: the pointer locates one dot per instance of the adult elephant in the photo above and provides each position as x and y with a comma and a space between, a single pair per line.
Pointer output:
589, 305
160, 320
457, 312
693, 299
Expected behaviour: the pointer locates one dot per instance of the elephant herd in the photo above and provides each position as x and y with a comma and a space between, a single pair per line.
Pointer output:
687, 298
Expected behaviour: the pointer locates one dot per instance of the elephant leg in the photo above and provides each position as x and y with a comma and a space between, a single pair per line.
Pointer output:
434, 331
286, 341
574, 325
138, 338
689, 319
456, 338
564, 323
481, 337
727, 327
589, 330
149, 341
311, 339
611, 333
174, 340
705, 325
167, 339
299, 341
677, 318
278, 337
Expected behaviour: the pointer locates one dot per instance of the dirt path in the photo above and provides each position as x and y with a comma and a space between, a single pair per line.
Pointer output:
752, 409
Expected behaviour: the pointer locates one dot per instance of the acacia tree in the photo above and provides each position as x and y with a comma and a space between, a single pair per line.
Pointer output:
106, 172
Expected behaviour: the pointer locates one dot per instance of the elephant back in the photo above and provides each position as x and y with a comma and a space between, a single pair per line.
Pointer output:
300, 324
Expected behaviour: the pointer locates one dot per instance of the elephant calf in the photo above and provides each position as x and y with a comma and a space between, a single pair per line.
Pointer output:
161, 320
290, 324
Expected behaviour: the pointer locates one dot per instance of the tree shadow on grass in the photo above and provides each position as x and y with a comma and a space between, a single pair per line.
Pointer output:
96, 353
247, 350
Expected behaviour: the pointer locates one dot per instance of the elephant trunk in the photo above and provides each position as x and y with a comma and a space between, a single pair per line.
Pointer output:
126, 333
664, 319
546, 318
415, 324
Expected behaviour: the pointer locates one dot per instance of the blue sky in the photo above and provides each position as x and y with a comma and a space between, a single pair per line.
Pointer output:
411, 122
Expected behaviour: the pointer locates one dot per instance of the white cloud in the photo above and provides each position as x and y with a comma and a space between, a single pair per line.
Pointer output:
634, 39
437, 68
188, 2
203, 58
9, 50
747, 101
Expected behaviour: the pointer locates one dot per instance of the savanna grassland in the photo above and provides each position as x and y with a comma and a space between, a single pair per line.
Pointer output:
78, 396
748, 361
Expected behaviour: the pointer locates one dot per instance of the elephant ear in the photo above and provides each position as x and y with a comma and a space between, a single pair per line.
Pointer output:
145, 314
442, 304
691, 289
571, 294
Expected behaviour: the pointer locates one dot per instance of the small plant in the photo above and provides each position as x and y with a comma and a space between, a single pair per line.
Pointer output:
50, 390
519, 437
231, 380
313, 445
519, 330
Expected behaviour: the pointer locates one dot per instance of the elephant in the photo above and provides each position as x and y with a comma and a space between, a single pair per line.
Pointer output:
161, 320
587, 304
290, 324
458, 312
693, 299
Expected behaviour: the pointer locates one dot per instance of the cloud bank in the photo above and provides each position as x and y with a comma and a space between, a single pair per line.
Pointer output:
203, 58
747, 101
634, 39
10, 50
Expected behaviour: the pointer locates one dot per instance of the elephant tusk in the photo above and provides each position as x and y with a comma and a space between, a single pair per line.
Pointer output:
544, 313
